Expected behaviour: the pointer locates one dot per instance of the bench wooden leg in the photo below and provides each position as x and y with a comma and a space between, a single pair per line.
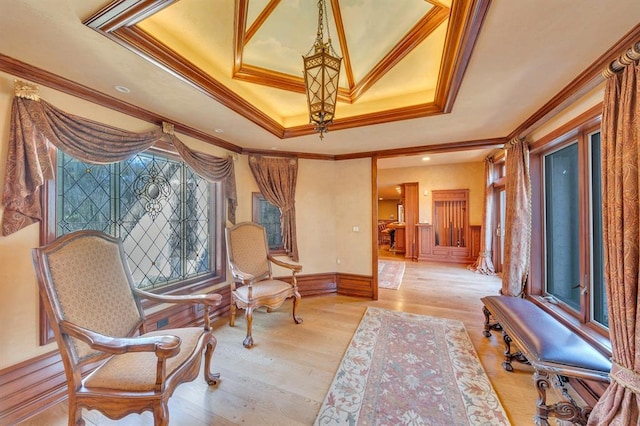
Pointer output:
488, 325
508, 356
506, 364
566, 409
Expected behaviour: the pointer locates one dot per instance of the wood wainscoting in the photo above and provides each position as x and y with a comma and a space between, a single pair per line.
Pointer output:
33, 385
428, 250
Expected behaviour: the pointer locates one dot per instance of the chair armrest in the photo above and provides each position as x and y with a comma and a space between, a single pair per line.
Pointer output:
205, 299
294, 267
163, 346
245, 277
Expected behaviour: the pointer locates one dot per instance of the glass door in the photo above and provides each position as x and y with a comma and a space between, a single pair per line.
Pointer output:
498, 244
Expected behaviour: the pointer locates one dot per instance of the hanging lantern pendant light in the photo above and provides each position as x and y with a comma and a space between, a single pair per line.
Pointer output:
321, 73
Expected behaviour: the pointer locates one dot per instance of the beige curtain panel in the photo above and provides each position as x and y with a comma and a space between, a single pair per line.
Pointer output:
276, 178
484, 262
517, 238
620, 404
35, 123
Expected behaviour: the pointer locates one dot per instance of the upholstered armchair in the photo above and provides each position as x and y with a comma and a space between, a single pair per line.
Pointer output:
95, 312
253, 285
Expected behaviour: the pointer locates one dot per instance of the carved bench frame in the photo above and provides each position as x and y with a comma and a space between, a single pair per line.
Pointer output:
546, 374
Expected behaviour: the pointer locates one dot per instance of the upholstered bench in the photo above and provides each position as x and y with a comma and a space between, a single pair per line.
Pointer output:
552, 349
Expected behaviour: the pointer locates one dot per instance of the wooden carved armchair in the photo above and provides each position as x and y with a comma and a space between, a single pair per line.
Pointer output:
95, 312
253, 285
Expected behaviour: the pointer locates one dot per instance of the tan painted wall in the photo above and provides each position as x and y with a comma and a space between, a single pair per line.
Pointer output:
19, 299
353, 215
331, 197
594, 97
447, 176
387, 209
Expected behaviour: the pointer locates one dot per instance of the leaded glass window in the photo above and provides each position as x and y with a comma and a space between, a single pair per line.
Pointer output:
159, 207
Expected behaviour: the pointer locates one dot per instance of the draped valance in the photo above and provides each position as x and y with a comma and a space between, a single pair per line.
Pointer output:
35, 123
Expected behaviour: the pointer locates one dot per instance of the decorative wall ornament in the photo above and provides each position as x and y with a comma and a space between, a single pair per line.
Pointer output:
154, 188
168, 128
23, 89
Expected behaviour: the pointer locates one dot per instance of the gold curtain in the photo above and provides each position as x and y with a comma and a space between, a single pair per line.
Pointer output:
517, 238
276, 178
484, 263
620, 404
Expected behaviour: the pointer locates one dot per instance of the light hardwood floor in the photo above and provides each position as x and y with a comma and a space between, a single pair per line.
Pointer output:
283, 379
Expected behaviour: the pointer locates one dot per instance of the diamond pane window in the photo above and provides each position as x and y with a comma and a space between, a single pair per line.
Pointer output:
159, 207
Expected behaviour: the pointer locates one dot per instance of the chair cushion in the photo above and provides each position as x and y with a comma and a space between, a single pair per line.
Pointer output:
264, 288
136, 371
93, 289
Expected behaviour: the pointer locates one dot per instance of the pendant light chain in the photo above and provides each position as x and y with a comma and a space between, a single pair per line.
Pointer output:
321, 74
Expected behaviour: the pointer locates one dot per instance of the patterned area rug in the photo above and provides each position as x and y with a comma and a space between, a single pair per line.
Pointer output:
407, 369
390, 273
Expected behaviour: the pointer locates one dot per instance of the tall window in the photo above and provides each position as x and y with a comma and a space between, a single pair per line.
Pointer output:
163, 212
573, 252
562, 225
599, 301
268, 215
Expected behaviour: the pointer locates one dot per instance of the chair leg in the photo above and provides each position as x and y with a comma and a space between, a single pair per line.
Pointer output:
232, 312
209, 377
296, 300
75, 414
248, 341
161, 414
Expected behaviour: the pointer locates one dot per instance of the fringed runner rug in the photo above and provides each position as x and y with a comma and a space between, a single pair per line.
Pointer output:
407, 369
390, 273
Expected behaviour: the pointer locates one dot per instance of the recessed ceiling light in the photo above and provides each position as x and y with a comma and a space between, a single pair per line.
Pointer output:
122, 89
218, 130
275, 148
426, 158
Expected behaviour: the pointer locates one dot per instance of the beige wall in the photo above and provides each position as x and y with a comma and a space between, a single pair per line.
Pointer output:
448, 176
353, 210
388, 209
592, 98
331, 198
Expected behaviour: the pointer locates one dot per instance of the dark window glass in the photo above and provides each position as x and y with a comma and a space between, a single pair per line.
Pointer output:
562, 225
599, 301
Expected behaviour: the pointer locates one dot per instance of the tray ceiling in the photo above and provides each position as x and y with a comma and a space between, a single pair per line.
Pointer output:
401, 58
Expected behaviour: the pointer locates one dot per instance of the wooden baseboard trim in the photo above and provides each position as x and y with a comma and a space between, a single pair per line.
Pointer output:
355, 285
36, 384
31, 386
317, 284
